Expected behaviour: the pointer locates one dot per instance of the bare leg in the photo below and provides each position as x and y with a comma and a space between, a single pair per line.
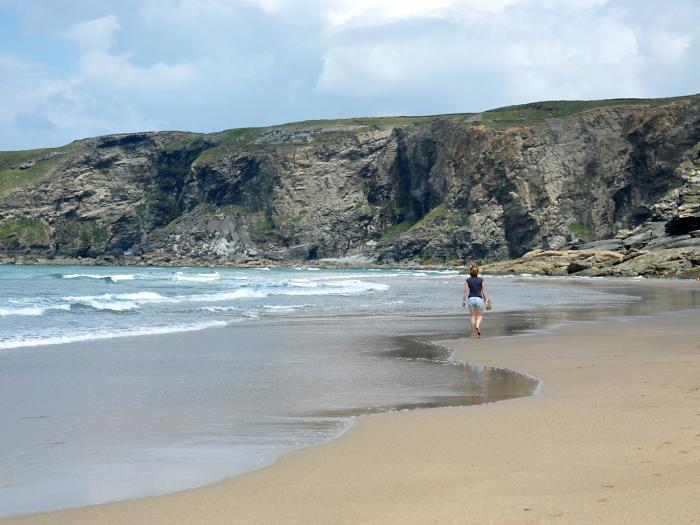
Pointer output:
476, 321
472, 313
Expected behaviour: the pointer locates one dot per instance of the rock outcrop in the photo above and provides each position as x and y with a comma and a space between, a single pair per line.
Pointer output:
610, 190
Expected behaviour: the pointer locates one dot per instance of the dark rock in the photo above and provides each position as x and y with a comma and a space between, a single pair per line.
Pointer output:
665, 242
576, 266
440, 190
682, 225
645, 234
614, 245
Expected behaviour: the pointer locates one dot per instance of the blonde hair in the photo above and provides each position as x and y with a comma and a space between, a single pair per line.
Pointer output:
473, 270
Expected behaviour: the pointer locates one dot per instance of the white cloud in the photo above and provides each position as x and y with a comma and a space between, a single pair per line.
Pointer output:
545, 55
669, 46
361, 13
211, 64
28, 87
98, 65
98, 34
187, 12
117, 71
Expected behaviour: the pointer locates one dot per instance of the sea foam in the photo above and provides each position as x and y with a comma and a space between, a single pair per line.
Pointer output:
31, 310
112, 278
93, 336
198, 277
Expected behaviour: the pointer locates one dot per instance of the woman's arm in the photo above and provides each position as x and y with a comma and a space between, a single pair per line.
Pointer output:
483, 290
464, 297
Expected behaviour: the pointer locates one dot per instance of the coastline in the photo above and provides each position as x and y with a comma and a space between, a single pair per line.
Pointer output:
512, 267
613, 437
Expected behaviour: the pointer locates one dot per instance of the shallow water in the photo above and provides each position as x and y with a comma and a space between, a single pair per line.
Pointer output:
290, 364
43, 305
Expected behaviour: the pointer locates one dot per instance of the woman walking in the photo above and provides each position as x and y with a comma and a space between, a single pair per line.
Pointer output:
476, 288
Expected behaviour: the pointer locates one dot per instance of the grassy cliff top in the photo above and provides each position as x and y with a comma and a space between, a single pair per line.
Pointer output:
537, 112
19, 168
509, 116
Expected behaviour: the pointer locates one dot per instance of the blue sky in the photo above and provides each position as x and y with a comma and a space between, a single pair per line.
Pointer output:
80, 68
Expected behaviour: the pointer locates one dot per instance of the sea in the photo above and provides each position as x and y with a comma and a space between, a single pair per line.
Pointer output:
124, 382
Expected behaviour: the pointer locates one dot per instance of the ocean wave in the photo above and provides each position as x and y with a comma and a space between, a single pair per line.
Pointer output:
197, 277
114, 306
356, 276
94, 336
122, 302
110, 278
241, 293
347, 287
33, 311
220, 309
303, 283
284, 308
143, 297
300, 287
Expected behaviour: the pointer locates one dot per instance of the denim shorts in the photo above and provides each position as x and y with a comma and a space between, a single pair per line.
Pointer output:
476, 303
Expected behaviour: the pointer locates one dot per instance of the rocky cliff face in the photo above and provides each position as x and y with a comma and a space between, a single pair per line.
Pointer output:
429, 190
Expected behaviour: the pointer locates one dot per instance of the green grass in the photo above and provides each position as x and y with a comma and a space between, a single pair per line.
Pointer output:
100, 235
265, 225
26, 231
81, 234
15, 178
366, 122
241, 140
92, 235
581, 231
439, 213
449, 218
232, 141
185, 142
393, 231
692, 273
233, 209
536, 113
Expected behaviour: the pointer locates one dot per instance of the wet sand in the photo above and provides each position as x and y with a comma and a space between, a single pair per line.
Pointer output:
612, 437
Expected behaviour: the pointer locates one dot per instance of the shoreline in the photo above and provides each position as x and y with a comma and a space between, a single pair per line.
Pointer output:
493, 268
370, 462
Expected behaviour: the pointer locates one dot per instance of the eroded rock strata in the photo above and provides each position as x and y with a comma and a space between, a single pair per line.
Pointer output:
612, 190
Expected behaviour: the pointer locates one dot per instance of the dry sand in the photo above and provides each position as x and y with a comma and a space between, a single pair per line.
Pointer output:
613, 437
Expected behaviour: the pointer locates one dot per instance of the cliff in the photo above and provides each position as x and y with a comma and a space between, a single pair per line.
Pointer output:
597, 188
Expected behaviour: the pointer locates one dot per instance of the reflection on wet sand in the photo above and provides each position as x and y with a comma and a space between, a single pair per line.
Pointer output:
642, 299
496, 384
472, 383
480, 384
486, 384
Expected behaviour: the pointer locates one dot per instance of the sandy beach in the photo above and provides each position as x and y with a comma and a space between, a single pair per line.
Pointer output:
612, 437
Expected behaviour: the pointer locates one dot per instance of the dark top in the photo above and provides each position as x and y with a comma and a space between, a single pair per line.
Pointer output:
475, 284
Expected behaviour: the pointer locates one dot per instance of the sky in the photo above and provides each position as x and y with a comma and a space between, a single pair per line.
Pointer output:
71, 69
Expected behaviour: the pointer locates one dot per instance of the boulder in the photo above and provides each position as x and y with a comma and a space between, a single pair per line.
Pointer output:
615, 245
